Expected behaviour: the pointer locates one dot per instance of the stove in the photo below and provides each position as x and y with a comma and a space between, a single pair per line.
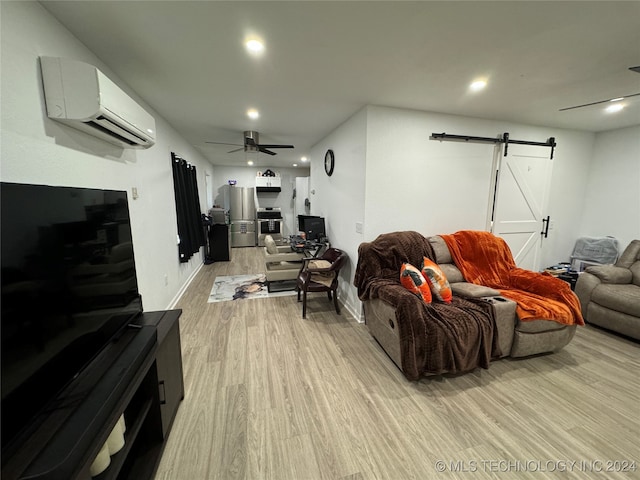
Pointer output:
269, 222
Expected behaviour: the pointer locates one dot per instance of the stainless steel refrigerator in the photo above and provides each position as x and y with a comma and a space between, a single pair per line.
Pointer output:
242, 212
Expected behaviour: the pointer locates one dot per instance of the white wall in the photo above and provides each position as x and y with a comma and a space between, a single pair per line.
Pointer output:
341, 197
612, 199
38, 150
246, 177
571, 164
414, 183
431, 186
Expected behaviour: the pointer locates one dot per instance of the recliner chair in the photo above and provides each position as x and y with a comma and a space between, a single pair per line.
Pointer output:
282, 265
610, 294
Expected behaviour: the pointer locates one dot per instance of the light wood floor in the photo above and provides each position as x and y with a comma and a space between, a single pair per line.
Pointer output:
270, 395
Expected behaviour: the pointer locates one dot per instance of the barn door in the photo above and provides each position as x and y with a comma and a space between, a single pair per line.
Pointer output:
520, 202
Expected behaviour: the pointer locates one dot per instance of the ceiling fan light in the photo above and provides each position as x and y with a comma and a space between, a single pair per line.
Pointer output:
254, 46
478, 85
616, 107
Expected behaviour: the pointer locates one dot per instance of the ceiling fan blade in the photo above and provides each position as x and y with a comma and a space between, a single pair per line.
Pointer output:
621, 97
262, 145
224, 143
268, 152
251, 144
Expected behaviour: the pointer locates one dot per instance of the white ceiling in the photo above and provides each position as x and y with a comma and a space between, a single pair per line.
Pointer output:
325, 60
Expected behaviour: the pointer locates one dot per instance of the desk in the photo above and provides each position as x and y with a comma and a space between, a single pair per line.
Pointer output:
310, 248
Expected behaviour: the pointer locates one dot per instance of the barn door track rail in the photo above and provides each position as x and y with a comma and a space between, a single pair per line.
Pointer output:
502, 139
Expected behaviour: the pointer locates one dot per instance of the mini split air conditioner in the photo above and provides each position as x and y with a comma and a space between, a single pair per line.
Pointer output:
81, 96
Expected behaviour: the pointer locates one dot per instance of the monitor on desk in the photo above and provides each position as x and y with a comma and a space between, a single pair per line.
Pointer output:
312, 226
302, 218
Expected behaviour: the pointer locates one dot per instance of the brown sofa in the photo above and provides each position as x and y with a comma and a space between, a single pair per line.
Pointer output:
387, 322
518, 339
610, 294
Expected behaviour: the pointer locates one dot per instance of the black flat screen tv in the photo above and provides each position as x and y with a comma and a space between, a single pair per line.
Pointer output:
313, 227
69, 287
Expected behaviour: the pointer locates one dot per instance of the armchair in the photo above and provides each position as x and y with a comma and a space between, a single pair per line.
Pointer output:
282, 265
610, 294
320, 275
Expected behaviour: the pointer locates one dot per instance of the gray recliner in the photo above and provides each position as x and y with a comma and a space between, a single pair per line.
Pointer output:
610, 294
282, 265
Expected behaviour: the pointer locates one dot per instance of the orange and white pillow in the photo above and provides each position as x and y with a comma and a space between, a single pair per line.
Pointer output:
412, 279
437, 280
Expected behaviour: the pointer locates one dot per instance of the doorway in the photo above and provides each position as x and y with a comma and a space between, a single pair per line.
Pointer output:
520, 199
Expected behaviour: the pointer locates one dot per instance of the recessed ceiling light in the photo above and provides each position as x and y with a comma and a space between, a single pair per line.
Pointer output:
253, 114
478, 85
250, 162
304, 159
295, 164
254, 46
616, 107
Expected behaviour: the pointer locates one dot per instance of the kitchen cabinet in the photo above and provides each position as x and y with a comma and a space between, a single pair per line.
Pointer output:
268, 184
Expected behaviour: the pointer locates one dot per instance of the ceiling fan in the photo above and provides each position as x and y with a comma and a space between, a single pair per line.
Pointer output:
252, 144
615, 99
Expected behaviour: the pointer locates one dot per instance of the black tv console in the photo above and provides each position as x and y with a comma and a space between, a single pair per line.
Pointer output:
140, 376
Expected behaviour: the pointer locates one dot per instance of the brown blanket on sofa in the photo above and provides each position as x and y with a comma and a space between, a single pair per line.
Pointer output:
434, 338
485, 259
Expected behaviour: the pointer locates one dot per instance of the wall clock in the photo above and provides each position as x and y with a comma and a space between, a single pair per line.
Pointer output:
329, 162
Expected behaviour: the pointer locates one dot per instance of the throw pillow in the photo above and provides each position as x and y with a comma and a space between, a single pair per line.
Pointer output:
437, 281
414, 281
270, 245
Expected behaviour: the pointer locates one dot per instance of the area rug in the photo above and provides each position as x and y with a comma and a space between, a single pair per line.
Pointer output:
242, 287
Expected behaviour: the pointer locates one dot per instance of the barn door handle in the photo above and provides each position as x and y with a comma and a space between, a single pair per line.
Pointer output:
545, 226
163, 392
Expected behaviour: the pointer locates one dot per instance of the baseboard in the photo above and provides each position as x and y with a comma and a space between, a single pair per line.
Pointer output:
350, 308
184, 287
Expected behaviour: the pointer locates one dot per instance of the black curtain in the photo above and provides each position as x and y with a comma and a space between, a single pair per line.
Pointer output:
190, 228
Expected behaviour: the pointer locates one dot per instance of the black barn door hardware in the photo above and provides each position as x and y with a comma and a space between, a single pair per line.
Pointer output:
545, 226
549, 143
504, 139
466, 138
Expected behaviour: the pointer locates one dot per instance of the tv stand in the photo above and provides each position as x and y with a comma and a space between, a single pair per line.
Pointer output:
140, 376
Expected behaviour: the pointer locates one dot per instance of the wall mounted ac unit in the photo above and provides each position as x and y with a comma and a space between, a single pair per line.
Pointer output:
81, 96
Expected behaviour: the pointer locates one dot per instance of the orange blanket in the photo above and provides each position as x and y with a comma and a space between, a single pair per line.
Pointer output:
485, 259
